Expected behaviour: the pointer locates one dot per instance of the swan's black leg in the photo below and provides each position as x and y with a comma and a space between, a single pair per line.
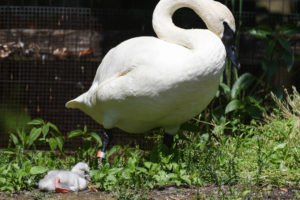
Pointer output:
107, 136
168, 140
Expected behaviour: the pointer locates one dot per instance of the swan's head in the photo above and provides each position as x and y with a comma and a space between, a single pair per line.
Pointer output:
220, 20
216, 16
82, 169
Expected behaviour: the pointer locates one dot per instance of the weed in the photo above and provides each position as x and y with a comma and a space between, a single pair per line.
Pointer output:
91, 143
41, 133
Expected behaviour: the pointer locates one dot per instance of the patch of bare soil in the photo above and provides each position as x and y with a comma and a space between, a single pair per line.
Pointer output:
171, 193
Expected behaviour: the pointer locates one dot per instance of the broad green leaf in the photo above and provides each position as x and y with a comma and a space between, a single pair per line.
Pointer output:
45, 130
115, 170
111, 178
42, 140
34, 134
113, 150
284, 43
52, 143
270, 48
36, 122
15, 166
14, 138
287, 54
289, 59
142, 169
38, 170
75, 133
60, 142
242, 83
289, 29
88, 139
225, 88
177, 182
22, 136
233, 105
261, 32
96, 137
186, 179
53, 127
166, 159
7, 188
8, 151
148, 164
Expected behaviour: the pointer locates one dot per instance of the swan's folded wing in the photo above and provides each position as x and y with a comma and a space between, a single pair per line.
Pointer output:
130, 55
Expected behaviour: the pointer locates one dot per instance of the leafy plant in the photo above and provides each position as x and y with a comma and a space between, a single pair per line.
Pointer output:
240, 100
15, 177
278, 50
49, 132
91, 144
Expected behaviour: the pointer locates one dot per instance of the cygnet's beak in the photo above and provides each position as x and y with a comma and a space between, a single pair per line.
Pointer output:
87, 177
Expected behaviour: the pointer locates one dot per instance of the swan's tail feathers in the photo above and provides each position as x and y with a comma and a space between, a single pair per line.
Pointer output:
76, 103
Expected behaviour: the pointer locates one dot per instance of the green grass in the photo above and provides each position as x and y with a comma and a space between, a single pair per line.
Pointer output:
244, 158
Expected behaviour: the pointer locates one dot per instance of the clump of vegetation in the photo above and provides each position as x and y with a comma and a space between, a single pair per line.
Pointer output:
259, 156
21, 164
251, 155
16, 175
91, 143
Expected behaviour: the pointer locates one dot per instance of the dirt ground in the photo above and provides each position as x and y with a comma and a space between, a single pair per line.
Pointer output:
171, 193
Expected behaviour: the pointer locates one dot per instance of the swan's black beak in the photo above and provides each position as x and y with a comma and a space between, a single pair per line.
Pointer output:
228, 40
231, 53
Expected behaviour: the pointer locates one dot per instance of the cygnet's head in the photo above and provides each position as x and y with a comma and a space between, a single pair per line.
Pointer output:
82, 169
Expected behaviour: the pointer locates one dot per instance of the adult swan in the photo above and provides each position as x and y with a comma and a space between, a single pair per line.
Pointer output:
149, 82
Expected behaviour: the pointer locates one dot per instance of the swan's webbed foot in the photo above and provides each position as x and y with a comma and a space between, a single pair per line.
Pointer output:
168, 140
107, 136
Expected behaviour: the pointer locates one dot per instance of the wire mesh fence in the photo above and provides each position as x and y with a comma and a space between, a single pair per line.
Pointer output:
49, 55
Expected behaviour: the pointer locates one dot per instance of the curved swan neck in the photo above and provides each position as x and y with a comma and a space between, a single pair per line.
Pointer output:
164, 27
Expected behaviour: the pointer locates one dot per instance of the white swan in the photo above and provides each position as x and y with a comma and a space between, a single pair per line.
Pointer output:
64, 181
149, 82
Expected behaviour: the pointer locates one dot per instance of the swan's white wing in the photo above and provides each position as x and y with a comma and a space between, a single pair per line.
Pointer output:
132, 54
